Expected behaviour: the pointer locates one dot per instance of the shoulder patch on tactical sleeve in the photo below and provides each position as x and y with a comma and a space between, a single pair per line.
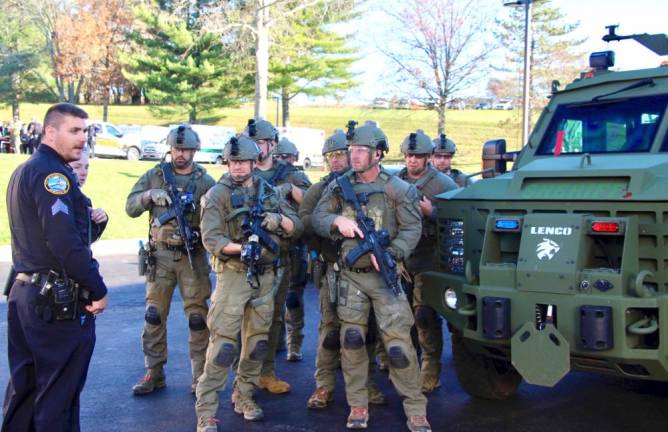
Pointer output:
57, 183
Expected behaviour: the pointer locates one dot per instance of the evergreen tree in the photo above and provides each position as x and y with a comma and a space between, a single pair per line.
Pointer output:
181, 66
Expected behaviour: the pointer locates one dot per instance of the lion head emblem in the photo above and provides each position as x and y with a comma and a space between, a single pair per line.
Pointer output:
547, 249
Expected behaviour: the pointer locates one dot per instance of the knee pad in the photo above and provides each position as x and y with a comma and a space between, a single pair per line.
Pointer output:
196, 322
424, 317
226, 355
331, 341
353, 339
152, 315
260, 351
292, 301
397, 357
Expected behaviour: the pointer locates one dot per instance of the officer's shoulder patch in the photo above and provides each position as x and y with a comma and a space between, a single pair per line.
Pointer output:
57, 183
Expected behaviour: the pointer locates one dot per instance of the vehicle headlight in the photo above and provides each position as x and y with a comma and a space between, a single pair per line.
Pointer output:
450, 297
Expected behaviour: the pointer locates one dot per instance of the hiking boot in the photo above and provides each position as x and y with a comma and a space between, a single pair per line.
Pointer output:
153, 380
320, 398
382, 364
418, 424
249, 408
274, 385
430, 382
207, 424
376, 397
294, 355
358, 418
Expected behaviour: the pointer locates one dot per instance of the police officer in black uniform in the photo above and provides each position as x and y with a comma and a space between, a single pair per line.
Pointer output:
58, 289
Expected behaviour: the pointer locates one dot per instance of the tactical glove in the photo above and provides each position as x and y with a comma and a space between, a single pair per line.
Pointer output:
271, 221
160, 197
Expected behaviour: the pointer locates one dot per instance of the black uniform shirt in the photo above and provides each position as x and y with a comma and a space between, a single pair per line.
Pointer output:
50, 221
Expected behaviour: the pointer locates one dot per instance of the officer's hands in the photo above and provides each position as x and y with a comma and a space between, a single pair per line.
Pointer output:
426, 207
271, 221
374, 262
97, 307
159, 197
297, 194
347, 227
98, 215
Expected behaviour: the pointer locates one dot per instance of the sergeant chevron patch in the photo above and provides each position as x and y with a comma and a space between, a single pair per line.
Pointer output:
59, 207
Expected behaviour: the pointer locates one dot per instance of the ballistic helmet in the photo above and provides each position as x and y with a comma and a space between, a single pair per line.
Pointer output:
370, 136
183, 137
417, 143
241, 148
335, 142
261, 130
286, 147
442, 144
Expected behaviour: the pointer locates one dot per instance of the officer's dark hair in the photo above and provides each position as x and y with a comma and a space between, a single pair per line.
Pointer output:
54, 115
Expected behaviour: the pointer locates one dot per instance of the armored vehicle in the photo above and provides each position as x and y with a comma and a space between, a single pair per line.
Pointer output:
562, 263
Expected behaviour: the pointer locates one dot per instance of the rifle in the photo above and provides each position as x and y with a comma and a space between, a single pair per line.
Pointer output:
374, 241
258, 238
182, 203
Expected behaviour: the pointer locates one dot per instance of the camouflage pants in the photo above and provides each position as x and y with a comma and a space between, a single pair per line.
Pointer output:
358, 293
231, 313
430, 330
269, 364
195, 287
328, 354
294, 314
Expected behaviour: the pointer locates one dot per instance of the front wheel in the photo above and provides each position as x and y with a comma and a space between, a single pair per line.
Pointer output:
482, 376
133, 153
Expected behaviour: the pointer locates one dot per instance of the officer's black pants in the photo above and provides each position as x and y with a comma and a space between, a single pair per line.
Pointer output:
48, 363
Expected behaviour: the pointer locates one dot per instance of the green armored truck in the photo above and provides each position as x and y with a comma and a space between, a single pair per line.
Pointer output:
562, 263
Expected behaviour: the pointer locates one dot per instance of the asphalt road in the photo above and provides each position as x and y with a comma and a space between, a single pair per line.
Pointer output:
580, 402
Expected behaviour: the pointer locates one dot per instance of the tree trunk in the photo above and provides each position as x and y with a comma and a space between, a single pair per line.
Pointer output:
14, 79
192, 115
16, 112
135, 96
285, 105
261, 59
440, 109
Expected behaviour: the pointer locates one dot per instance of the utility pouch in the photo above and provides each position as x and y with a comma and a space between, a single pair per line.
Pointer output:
142, 259
65, 297
333, 286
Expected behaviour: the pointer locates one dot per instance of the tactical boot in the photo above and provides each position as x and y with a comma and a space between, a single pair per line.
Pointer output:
294, 354
358, 418
153, 380
247, 406
376, 397
207, 424
320, 398
274, 385
430, 382
418, 424
235, 393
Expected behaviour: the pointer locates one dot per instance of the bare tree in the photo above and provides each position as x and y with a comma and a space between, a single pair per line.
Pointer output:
441, 49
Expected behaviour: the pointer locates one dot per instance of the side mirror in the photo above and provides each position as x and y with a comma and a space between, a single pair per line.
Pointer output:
495, 158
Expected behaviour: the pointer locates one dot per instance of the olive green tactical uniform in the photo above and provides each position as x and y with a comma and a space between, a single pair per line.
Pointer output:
393, 206
172, 268
236, 306
296, 178
428, 322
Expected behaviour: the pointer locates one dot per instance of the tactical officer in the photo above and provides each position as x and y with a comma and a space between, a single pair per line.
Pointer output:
243, 219
325, 277
444, 151
392, 204
417, 148
176, 255
287, 151
293, 183
50, 343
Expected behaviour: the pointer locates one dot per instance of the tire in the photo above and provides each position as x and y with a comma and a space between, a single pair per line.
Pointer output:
480, 376
133, 154
307, 163
219, 160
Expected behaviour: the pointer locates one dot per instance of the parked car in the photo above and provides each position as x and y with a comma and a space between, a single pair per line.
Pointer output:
504, 104
145, 142
108, 140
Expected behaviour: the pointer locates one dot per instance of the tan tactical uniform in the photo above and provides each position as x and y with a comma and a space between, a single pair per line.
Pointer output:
428, 322
393, 206
236, 306
172, 268
297, 178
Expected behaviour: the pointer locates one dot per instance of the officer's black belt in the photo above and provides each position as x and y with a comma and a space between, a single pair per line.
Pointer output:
179, 248
32, 278
361, 270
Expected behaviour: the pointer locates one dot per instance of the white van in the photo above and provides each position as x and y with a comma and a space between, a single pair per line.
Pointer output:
309, 142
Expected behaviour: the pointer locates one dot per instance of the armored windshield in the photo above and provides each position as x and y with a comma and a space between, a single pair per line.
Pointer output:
616, 126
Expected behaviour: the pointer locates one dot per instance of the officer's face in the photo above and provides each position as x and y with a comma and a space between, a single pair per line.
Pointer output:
266, 146
337, 161
441, 161
68, 137
182, 158
415, 164
80, 168
240, 170
361, 158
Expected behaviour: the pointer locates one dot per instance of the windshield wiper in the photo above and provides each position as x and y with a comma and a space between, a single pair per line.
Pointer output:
641, 83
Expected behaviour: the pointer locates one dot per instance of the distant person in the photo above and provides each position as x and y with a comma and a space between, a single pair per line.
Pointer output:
98, 216
91, 137
34, 134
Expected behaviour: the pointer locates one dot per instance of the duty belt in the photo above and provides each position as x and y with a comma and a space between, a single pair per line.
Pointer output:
38, 278
361, 270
